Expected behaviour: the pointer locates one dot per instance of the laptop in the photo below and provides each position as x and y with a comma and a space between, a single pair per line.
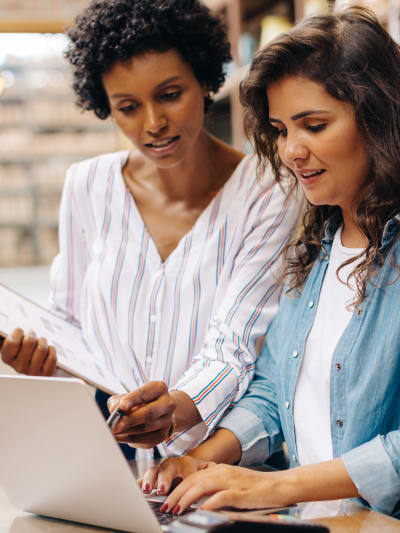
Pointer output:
59, 459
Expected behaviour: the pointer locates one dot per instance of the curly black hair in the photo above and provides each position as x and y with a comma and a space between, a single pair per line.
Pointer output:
116, 30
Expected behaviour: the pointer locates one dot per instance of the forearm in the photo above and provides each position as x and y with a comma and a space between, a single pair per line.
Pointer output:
318, 482
222, 447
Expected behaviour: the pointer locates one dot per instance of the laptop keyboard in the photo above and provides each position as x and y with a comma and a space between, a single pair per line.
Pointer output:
163, 518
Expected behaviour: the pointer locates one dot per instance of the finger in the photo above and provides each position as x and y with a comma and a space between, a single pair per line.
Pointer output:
224, 498
11, 345
49, 366
139, 441
148, 415
175, 469
193, 494
23, 358
147, 393
170, 470
113, 401
186, 485
38, 357
161, 423
149, 479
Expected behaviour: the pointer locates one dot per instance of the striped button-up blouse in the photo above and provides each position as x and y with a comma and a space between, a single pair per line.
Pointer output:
196, 320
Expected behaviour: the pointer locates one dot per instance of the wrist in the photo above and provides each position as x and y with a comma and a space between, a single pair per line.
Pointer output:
186, 413
172, 428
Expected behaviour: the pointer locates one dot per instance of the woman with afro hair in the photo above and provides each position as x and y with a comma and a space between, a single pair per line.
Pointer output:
170, 252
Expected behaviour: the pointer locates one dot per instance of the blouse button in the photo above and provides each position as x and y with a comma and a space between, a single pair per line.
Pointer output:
287, 405
294, 458
338, 367
295, 354
339, 423
310, 304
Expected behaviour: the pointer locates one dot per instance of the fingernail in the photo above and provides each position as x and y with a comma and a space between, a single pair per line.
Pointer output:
146, 487
164, 507
30, 334
176, 509
161, 489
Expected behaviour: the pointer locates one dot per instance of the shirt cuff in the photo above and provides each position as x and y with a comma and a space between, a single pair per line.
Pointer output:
251, 433
181, 443
374, 475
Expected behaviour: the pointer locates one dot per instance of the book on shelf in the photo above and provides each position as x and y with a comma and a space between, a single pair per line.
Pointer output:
73, 354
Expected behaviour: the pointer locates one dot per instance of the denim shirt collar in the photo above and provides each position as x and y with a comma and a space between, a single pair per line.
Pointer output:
391, 229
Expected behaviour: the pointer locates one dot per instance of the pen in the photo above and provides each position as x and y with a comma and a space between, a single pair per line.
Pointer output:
114, 417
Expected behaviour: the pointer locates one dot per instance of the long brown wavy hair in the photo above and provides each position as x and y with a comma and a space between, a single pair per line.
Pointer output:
353, 57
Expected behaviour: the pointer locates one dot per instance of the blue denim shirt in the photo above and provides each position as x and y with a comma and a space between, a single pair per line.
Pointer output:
365, 381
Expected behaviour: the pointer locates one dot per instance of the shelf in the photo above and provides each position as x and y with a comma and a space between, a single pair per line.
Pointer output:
22, 25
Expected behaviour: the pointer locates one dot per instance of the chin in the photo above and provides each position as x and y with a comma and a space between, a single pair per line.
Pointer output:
165, 163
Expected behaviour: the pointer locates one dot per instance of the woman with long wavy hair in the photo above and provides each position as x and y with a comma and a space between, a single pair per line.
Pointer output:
323, 104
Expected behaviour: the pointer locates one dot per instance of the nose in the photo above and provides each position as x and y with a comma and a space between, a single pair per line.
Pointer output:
294, 151
155, 120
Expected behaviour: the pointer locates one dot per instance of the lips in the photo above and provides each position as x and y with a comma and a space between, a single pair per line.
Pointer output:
162, 143
307, 174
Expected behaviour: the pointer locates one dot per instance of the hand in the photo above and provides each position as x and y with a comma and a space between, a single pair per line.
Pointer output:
172, 469
149, 415
29, 355
231, 486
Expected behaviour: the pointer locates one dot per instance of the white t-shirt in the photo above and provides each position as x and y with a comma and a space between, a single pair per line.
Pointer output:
312, 397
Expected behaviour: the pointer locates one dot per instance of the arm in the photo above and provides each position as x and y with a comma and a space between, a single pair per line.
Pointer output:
248, 489
222, 371
242, 434
69, 266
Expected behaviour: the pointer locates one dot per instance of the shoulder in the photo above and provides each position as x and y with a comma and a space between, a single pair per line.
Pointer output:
80, 175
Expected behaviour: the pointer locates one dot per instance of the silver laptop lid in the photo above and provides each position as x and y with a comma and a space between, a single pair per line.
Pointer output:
58, 458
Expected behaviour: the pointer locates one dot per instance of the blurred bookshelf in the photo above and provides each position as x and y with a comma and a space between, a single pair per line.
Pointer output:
42, 132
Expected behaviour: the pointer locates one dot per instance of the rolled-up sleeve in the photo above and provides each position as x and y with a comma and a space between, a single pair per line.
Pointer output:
372, 469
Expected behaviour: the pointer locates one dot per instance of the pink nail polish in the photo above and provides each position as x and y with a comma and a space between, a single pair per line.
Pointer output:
161, 489
164, 507
176, 509
146, 488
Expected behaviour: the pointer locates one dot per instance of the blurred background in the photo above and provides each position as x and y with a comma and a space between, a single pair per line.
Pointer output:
42, 132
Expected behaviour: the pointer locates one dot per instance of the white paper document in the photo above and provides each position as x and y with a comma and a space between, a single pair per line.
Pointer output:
73, 355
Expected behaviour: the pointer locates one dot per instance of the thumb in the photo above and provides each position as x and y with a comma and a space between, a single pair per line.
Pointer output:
112, 402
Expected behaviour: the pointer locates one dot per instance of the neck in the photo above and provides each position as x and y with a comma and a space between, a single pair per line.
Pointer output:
352, 236
195, 177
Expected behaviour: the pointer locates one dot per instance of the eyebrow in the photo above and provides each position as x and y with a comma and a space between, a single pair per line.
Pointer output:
301, 115
159, 86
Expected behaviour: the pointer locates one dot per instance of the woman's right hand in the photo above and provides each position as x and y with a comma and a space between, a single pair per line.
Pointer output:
172, 469
29, 355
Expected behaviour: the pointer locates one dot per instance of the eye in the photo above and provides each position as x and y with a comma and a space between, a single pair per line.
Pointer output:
279, 131
128, 108
317, 127
171, 96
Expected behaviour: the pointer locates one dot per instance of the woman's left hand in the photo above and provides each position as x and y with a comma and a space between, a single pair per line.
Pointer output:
149, 416
231, 486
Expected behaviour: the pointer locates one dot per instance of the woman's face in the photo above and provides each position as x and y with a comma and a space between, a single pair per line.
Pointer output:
158, 104
319, 141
